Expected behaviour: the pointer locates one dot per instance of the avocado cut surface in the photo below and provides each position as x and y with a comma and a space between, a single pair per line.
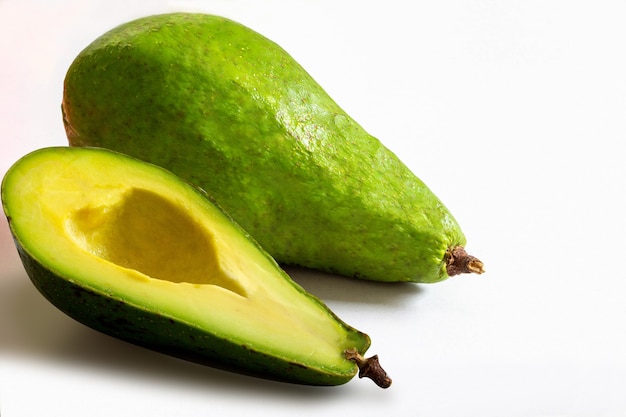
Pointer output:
233, 113
132, 250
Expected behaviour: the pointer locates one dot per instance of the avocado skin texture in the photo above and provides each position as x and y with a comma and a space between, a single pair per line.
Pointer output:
233, 113
149, 325
142, 327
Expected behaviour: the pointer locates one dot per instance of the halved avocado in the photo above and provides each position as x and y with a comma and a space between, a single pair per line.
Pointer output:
132, 250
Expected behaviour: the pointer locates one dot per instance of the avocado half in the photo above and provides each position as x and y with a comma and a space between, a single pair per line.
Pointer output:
133, 251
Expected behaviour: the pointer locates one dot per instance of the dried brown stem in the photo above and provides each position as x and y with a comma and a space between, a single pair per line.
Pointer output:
369, 368
460, 262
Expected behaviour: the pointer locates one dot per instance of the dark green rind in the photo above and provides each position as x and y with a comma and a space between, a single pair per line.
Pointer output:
151, 330
231, 112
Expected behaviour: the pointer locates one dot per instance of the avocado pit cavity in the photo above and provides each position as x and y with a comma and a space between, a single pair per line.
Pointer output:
145, 232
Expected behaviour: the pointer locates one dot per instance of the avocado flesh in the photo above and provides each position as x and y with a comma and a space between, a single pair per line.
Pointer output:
133, 251
230, 111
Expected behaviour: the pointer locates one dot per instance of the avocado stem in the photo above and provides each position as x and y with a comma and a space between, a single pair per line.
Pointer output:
458, 261
369, 368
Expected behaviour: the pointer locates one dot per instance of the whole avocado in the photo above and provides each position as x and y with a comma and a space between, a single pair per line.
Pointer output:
234, 114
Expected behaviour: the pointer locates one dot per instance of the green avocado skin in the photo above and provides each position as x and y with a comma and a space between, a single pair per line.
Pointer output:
163, 334
234, 114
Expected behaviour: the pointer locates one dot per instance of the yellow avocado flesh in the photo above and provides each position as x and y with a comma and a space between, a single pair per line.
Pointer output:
135, 233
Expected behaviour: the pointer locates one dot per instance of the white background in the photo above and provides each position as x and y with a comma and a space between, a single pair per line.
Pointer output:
513, 112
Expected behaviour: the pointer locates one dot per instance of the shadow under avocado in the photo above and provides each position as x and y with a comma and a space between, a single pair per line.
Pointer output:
329, 287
